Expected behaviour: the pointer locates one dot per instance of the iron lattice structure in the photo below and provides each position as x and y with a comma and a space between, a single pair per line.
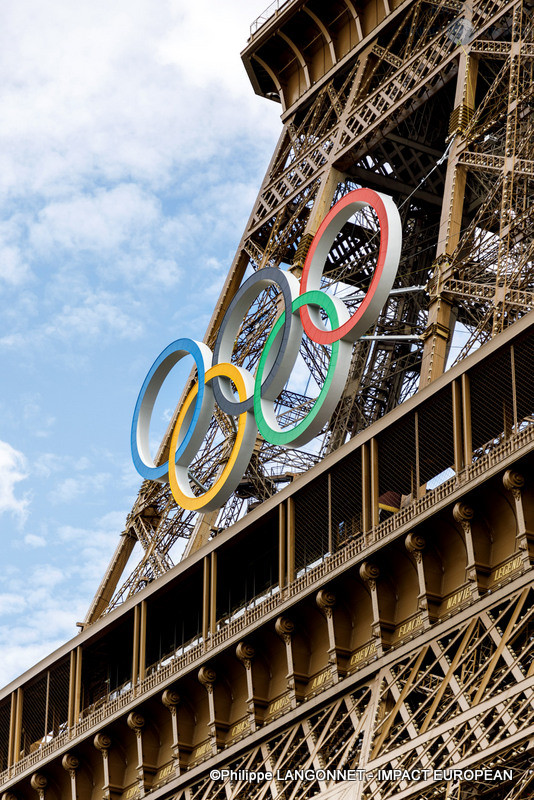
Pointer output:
432, 104
317, 636
320, 632
461, 701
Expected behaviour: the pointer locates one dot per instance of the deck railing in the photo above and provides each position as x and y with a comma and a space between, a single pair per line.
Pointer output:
163, 671
265, 16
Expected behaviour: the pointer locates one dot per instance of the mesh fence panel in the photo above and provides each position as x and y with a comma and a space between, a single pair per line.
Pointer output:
107, 665
34, 714
328, 512
174, 618
58, 699
311, 523
5, 714
396, 465
491, 402
435, 439
523, 360
346, 500
250, 571
416, 452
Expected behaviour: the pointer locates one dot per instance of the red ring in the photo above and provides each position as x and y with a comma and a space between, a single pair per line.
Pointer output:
364, 197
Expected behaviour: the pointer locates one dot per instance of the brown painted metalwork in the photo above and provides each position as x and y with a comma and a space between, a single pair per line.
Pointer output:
431, 103
324, 629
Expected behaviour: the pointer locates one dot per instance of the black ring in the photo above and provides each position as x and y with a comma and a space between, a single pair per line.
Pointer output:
244, 297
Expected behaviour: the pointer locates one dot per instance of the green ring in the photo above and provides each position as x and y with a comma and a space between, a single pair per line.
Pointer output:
285, 437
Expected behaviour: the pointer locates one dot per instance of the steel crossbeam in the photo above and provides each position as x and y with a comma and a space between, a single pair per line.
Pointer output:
445, 127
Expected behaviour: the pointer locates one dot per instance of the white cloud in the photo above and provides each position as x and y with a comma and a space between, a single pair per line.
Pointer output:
72, 488
95, 222
12, 471
99, 314
46, 576
131, 148
25, 637
32, 412
36, 615
148, 272
19, 656
13, 270
118, 132
113, 521
41, 604
11, 603
206, 39
47, 464
95, 546
113, 91
32, 540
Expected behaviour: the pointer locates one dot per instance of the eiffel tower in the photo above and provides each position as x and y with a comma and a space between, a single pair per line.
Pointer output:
356, 620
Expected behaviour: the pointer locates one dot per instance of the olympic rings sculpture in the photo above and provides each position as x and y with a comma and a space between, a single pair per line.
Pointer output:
256, 394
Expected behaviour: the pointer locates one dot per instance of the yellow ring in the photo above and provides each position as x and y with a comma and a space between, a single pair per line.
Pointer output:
190, 501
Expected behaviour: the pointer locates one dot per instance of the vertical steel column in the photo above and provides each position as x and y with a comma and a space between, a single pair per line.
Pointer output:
441, 316
375, 517
72, 688
213, 593
514, 388
290, 540
330, 539
142, 640
206, 600
457, 426
366, 489
466, 419
418, 491
17, 743
11, 742
323, 199
47, 703
282, 578
135, 647
78, 689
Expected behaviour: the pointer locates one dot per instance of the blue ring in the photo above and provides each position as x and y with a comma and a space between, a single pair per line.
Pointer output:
163, 364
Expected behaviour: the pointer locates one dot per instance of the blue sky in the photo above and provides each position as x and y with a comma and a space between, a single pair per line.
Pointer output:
131, 150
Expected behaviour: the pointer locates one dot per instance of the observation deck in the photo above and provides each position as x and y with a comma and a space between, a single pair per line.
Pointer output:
296, 44
388, 544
